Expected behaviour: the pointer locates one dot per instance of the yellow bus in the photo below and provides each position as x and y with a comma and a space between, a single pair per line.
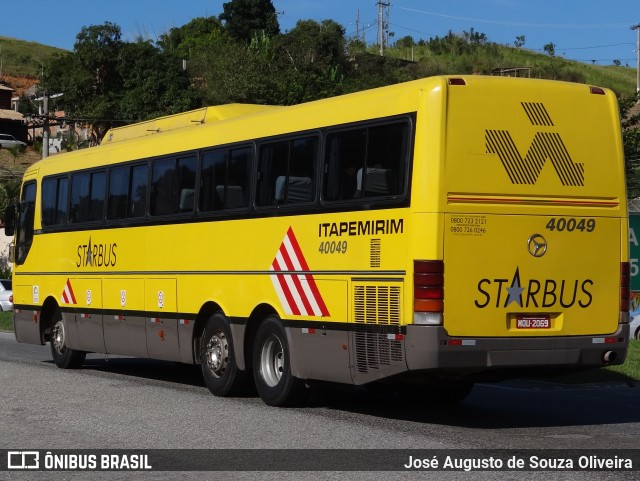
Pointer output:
425, 236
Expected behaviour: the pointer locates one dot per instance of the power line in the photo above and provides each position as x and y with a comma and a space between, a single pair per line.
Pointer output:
514, 24
595, 46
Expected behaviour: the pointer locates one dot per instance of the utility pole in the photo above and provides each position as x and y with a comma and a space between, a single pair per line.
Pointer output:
45, 126
383, 24
637, 29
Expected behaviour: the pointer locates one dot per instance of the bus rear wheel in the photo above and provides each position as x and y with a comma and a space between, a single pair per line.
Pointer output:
217, 359
275, 383
64, 357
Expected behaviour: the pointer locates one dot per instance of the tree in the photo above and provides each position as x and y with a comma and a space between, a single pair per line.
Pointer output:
153, 83
314, 56
88, 77
243, 19
180, 40
108, 82
550, 48
631, 143
519, 43
405, 42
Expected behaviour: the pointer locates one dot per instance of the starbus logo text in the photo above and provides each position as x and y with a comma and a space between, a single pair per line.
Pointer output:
96, 255
537, 293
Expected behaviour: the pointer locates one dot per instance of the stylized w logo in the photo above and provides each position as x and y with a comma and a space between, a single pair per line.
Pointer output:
545, 146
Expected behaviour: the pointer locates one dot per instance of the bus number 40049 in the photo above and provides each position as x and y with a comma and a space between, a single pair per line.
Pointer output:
333, 247
562, 224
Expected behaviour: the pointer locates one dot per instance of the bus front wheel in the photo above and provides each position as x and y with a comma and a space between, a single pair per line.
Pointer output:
63, 356
219, 369
275, 383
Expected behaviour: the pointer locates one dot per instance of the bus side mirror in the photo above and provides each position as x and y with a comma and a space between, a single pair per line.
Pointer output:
10, 220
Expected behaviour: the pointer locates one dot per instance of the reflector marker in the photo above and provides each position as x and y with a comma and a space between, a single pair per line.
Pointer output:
68, 297
298, 293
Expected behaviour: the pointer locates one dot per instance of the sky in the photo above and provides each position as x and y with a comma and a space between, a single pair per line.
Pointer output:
584, 30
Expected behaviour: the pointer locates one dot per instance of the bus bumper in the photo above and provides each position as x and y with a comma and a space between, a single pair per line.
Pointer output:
429, 348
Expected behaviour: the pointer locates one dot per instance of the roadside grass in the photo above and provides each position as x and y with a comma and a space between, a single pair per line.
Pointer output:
6, 322
628, 373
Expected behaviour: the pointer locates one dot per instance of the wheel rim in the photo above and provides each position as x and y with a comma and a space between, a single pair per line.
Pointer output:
272, 361
57, 337
217, 353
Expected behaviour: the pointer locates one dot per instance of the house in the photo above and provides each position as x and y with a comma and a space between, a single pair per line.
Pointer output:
11, 122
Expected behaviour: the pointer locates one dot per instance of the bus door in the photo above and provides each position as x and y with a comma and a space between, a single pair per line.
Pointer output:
25, 293
162, 320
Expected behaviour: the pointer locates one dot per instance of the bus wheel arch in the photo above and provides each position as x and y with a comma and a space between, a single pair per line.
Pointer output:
54, 328
206, 311
218, 360
48, 313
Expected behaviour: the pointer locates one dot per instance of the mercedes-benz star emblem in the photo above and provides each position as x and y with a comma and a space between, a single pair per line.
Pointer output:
537, 245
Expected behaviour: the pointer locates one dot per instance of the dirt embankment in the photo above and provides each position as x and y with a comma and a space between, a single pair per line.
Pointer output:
18, 164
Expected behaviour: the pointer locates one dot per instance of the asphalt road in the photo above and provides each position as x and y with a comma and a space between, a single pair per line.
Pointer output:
124, 403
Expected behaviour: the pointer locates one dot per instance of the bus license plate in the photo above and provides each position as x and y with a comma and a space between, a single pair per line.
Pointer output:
533, 322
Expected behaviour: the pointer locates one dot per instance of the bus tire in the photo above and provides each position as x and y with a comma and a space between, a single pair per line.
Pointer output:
63, 356
275, 383
218, 361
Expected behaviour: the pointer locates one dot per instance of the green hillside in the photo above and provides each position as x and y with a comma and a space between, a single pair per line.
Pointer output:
24, 59
484, 58
449, 55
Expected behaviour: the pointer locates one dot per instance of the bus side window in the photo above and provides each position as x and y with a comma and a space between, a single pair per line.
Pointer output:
213, 173
173, 186
386, 159
97, 196
127, 192
345, 156
25, 222
237, 186
367, 162
185, 185
55, 194
287, 171
87, 197
118, 193
138, 191
224, 179
162, 177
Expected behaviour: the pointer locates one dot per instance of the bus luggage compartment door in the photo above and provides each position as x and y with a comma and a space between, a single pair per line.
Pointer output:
162, 322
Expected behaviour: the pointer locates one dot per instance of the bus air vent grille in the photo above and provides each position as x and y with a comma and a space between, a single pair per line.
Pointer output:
374, 246
377, 314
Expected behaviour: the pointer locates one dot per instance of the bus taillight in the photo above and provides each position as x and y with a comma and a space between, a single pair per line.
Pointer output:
428, 292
